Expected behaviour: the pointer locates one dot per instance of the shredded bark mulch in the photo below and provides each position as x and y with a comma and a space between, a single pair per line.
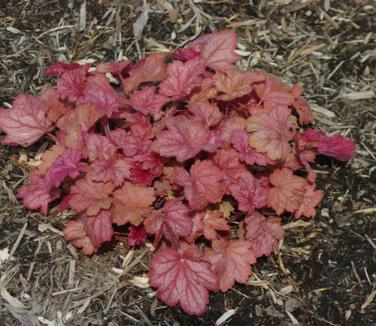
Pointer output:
325, 272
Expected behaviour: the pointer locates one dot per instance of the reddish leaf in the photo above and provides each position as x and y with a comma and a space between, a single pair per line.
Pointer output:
99, 147
71, 84
228, 161
184, 139
218, 51
132, 204
152, 68
116, 169
337, 146
98, 228
116, 68
203, 185
182, 277
182, 78
206, 113
264, 234
37, 193
90, 196
147, 100
138, 140
271, 132
249, 192
59, 67
231, 261
235, 83
74, 232
49, 157
99, 93
205, 92
239, 139
209, 223
172, 224
304, 111
136, 235
213, 222
288, 191
146, 168
56, 108
185, 54
67, 164
26, 121
274, 93
311, 199
311, 142
75, 123
230, 125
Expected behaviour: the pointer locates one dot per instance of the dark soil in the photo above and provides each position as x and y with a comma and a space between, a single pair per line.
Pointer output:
325, 270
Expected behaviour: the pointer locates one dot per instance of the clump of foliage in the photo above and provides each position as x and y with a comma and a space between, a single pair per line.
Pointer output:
177, 148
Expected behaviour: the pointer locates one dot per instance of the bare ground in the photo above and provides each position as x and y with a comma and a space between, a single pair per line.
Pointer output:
325, 273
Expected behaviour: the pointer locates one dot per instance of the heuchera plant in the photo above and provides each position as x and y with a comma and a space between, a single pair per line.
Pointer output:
183, 147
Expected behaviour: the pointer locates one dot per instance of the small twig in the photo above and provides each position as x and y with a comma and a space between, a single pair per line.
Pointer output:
370, 241
20, 235
367, 276
356, 274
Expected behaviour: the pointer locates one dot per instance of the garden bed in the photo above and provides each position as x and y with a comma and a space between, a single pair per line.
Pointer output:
325, 272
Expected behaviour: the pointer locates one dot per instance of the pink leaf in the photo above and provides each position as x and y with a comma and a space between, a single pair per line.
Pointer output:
90, 196
67, 164
337, 146
218, 51
59, 67
56, 107
136, 235
26, 121
185, 54
206, 113
172, 224
145, 168
311, 199
249, 192
37, 193
230, 125
203, 185
304, 111
99, 93
184, 278
116, 68
235, 83
271, 132
99, 227
231, 261
99, 147
264, 234
49, 157
209, 223
147, 100
138, 139
182, 78
116, 169
74, 232
184, 139
239, 139
228, 162
132, 203
152, 68
287, 191
75, 123
274, 93
71, 84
